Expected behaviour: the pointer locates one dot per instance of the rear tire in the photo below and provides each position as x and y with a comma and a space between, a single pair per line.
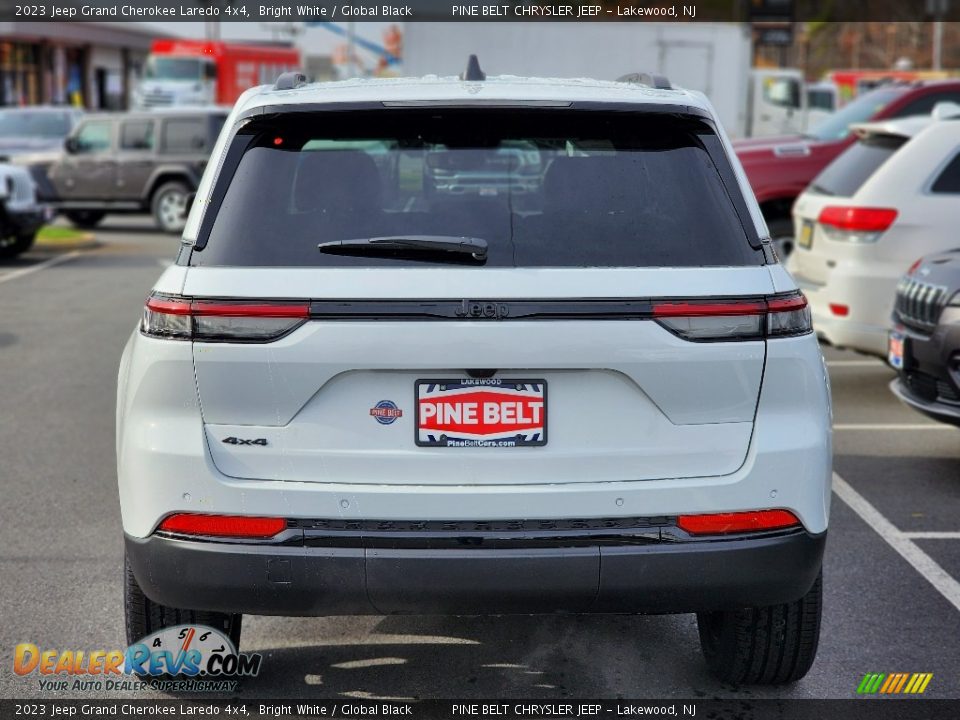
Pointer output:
142, 616
169, 206
85, 219
769, 645
781, 235
13, 246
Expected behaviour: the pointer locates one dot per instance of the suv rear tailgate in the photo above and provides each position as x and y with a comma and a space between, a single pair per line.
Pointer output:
626, 399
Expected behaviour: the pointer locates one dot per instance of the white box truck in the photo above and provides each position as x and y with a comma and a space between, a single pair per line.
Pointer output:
714, 58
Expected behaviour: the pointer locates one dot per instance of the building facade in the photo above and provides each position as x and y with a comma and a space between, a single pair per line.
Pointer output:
89, 65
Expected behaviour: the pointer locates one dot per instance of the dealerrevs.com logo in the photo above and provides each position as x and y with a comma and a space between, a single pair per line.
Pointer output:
185, 658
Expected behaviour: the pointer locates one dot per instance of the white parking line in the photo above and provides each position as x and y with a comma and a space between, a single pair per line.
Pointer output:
893, 426
945, 584
932, 535
56, 260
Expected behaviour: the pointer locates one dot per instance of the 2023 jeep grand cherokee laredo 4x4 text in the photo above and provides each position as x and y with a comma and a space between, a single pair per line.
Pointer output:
356, 392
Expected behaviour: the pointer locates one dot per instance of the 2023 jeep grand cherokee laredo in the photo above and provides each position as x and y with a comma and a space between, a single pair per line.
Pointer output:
353, 395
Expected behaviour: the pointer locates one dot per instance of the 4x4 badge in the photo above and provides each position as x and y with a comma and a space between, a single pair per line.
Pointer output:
475, 309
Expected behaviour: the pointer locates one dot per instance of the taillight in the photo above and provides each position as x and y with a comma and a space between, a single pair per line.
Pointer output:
179, 318
737, 522
777, 316
236, 526
856, 224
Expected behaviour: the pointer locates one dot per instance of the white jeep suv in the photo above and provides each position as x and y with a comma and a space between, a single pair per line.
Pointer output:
362, 391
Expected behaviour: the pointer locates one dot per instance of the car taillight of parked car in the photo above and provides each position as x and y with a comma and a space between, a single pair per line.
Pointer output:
176, 318
777, 316
856, 224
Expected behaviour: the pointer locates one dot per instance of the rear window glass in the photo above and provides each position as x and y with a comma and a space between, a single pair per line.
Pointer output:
580, 189
949, 179
837, 125
847, 174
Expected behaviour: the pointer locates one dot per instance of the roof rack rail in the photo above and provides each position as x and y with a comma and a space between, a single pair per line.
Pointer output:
290, 81
658, 82
473, 72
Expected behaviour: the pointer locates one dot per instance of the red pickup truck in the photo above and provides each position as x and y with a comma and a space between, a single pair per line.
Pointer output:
779, 168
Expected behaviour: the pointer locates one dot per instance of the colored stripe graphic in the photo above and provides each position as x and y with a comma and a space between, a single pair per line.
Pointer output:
894, 683
870, 683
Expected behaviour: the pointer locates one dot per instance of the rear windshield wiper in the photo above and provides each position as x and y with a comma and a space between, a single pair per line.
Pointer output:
475, 247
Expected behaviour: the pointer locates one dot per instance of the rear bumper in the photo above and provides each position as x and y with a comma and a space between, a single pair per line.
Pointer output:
870, 339
867, 290
653, 576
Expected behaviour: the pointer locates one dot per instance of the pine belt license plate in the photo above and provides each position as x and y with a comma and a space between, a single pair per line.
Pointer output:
481, 412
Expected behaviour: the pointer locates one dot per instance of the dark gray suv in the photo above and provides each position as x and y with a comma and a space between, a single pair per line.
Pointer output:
146, 162
925, 341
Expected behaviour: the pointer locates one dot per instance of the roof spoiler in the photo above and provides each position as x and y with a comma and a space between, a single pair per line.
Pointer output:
290, 81
658, 82
946, 110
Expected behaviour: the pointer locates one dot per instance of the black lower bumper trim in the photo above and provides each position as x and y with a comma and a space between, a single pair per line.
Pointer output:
698, 575
940, 411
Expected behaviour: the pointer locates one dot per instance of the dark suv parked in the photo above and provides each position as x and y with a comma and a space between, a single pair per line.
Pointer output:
132, 163
925, 341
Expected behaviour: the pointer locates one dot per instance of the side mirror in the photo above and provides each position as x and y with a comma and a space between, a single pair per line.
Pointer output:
209, 71
70, 145
188, 203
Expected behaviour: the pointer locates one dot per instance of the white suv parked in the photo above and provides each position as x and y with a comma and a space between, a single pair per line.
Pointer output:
360, 391
889, 199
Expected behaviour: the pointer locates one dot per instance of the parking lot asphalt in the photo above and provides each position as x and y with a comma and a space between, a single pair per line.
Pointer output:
892, 597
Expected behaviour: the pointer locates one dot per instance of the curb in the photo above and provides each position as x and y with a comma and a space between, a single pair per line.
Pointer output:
85, 242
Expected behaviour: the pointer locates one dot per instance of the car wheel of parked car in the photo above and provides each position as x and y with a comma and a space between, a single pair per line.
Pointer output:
765, 645
170, 205
781, 233
85, 219
15, 244
143, 616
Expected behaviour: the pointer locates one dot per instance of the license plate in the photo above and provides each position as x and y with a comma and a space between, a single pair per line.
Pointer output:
806, 235
895, 349
481, 412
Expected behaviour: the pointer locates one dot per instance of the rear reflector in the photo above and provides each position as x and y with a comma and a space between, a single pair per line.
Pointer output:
221, 321
839, 310
236, 526
857, 220
777, 316
738, 522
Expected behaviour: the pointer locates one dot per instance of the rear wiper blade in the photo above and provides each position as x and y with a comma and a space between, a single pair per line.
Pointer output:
476, 247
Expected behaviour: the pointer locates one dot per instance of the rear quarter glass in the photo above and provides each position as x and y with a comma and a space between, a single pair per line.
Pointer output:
543, 188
